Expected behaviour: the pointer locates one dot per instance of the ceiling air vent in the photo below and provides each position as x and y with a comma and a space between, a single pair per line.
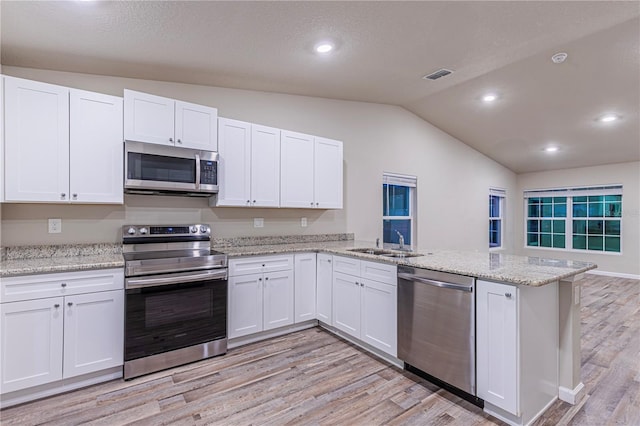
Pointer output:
436, 75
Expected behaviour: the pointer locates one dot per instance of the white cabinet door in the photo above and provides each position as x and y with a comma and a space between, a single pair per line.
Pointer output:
1, 139
497, 344
296, 170
324, 283
196, 126
278, 299
245, 305
305, 286
95, 148
346, 303
148, 118
265, 166
36, 141
379, 316
235, 163
93, 332
31, 343
328, 173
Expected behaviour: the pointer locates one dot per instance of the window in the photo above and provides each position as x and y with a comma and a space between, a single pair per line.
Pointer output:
496, 212
398, 208
575, 218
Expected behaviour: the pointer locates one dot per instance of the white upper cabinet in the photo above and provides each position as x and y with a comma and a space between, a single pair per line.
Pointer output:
196, 126
61, 144
95, 134
328, 173
311, 171
265, 166
296, 171
155, 119
36, 141
249, 164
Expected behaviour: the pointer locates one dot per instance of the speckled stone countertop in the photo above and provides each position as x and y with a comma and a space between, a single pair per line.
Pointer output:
26, 260
522, 270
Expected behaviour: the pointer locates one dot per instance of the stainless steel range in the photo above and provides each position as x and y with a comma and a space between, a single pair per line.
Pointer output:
176, 297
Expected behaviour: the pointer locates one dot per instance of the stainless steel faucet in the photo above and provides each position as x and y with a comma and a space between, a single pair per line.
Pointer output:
400, 240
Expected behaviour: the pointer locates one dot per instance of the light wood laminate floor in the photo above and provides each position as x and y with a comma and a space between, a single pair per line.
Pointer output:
313, 377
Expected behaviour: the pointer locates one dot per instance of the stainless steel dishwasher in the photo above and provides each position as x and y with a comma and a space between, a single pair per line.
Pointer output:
436, 326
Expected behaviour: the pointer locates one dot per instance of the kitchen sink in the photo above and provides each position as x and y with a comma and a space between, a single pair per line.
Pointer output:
401, 255
385, 253
370, 251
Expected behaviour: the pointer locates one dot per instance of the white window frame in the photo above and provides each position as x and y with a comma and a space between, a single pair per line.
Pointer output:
580, 191
412, 183
502, 195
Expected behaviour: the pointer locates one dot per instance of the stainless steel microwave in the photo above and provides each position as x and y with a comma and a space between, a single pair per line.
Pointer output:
169, 170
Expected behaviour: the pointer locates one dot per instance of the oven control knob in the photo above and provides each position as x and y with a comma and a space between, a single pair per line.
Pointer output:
204, 229
143, 231
131, 231
193, 229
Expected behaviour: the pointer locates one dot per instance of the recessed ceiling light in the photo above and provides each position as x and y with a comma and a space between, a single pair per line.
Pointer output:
559, 58
489, 97
324, 47
551, 149
608, 118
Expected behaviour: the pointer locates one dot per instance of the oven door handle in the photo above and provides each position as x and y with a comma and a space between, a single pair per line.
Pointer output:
175, 279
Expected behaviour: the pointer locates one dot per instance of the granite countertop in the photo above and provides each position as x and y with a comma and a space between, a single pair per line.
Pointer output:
522, 270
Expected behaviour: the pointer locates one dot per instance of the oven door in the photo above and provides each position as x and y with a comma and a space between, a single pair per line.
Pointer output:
173, 311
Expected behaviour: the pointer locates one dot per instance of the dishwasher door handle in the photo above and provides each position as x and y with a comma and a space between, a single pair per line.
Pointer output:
419, 279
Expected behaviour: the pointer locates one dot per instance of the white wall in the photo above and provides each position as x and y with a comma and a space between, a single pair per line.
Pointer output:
453, 179
627, 174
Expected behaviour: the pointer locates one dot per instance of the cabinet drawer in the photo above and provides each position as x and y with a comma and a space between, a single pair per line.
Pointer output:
381, 272
260, 264
61, 284
346, 265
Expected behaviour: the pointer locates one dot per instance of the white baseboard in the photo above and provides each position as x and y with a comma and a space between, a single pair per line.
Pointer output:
572, 396
614, 274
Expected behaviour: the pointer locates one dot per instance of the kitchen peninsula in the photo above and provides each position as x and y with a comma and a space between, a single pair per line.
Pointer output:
530, 277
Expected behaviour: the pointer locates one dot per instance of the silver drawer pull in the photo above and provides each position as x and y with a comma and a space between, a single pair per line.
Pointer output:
508, 295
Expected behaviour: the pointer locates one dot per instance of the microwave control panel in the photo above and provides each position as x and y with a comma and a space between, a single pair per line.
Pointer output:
208, 172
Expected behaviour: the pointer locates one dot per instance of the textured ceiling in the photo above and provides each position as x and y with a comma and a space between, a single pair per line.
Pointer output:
383, 50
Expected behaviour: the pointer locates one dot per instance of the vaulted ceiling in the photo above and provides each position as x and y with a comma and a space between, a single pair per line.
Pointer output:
383, 49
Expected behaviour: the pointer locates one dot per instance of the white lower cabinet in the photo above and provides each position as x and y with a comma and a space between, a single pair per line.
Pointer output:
48, 339
365, 308
261, 300
324, 284
497, 352
31, 345
91, 342
516, 349
304, 287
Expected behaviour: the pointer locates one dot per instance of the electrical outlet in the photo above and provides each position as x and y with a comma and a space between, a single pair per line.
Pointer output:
303, 222
55, 226
258, 222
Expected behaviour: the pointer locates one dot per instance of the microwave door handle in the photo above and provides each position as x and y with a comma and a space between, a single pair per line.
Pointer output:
197, 172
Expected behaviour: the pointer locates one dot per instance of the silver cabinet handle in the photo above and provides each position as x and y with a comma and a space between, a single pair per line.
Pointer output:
317, 204
75, 196
63, 284
179, 141
361, 284
248, 201
170, 139
254, 201
259, 279
329, 260
312, 204
266, 278
57, 305
508, 295
63, 195
70, 304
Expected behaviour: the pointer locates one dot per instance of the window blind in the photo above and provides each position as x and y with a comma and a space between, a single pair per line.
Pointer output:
574, 192
497, 192
400, 180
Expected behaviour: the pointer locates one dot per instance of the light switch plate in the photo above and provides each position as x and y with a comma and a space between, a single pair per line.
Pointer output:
258, 222
303, 222
55, 226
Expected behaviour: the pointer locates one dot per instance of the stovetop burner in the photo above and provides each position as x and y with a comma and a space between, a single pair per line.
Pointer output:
159, 249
